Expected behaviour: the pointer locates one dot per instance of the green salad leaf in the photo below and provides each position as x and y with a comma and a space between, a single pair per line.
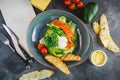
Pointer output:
63, 19
55, 51
73, 28
51, 38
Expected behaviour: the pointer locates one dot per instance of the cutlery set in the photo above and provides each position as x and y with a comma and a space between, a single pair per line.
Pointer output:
18, 48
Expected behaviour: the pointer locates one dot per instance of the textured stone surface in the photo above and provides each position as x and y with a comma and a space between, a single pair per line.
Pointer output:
11, 67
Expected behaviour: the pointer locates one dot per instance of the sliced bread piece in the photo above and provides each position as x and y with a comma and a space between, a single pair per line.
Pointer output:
70, 57
57, 63
105, 36
96, 27
37, 75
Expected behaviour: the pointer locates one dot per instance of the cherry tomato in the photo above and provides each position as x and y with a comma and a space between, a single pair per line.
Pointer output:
44, 51
80, 4
39, 46
72, 6
67, 2
76, 1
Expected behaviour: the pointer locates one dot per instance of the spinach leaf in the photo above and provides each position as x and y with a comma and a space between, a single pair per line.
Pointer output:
57, 30
51, 40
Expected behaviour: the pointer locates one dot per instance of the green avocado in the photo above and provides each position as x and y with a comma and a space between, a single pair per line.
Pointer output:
90, 11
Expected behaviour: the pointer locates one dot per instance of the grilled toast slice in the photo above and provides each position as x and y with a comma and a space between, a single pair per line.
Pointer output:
57, 63
70, 57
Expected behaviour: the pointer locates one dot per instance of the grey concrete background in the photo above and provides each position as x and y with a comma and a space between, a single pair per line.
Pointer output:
11, 67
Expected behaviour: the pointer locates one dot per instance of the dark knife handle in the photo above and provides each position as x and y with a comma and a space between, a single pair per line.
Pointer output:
29, 58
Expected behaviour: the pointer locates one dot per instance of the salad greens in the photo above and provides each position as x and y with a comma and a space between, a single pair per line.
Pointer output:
56, 35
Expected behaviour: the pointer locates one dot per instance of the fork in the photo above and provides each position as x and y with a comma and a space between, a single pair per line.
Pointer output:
6, 41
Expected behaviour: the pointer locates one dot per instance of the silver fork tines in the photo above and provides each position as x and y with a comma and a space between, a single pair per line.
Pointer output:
5, 40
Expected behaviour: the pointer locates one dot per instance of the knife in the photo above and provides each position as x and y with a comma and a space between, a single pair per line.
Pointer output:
15, 40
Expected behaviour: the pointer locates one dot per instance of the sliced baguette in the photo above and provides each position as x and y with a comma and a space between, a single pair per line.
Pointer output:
96, 27
57, 63
105, 36
113, 47
37, 75
104, 22
70, 57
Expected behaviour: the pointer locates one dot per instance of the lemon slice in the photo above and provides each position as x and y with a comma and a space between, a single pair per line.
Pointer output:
98, 58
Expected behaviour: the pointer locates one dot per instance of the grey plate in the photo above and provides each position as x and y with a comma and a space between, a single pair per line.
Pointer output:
46, 17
